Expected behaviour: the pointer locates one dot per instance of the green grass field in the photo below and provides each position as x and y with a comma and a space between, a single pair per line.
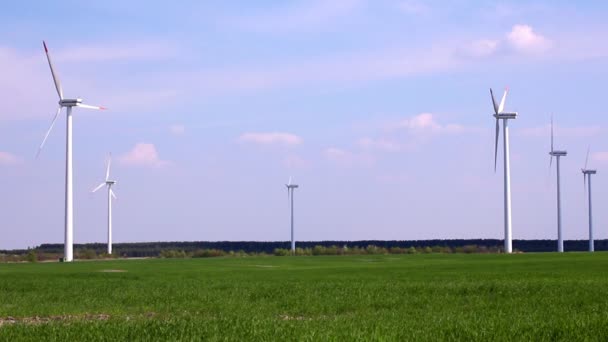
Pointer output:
368, 297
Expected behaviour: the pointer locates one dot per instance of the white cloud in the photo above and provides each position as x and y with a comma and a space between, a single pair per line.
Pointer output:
177, 129
143, 154
426, 122
380, 144
523, 39
271, 138
7, 158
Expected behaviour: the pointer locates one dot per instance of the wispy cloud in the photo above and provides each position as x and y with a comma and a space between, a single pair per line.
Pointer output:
353, 68
413, 7
347, 158
561, 131
177, 129
379, 144
270, 138
116, 51
7, 158
304, 16
481, 48
143, 154
427, 123
601, 157
295, 162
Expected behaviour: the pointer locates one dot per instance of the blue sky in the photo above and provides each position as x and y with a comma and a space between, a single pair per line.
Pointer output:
379, 109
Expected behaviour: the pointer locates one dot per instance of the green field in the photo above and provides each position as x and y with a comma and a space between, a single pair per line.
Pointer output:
367, 297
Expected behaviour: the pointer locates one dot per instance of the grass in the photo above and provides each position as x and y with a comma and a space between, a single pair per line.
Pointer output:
369, 297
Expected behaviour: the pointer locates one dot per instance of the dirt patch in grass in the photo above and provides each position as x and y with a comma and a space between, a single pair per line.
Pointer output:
265, 266
113, 271
35, 320
292, 318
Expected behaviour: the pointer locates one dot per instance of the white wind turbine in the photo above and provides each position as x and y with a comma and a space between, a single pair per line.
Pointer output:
557, 154
500, 114
69, 202
587, 182
290, 190
109, 183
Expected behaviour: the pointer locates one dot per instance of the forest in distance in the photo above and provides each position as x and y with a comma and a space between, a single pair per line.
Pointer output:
279, 248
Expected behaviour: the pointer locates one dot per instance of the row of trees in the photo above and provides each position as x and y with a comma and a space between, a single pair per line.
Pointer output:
372, 249
331, 250
34, 255
220, 248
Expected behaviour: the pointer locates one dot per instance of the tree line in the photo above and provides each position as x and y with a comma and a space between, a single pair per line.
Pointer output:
335, 247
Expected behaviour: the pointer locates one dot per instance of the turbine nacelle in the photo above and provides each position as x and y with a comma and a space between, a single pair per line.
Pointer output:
506, 115
70, 102
558, 153
588, 172
291, 186
110, 182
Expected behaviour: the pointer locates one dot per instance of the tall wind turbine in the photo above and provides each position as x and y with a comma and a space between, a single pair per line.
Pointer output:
69, 202
290, 190
557, 154
111, 195
587, 182
500, 114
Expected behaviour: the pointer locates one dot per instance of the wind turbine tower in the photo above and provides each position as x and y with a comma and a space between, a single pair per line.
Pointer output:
290, 190
109, 183
558, 154
500, 114
587, 182
69, 104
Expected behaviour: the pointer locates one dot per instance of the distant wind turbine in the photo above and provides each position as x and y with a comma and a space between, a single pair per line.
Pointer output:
109, 183
69, 202
500, 114
290, 190
557, 154
587, 182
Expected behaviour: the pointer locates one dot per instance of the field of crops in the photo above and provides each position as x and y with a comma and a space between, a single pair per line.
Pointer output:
372, 297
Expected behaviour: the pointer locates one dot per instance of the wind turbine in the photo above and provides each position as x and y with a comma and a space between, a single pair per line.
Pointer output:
69, 199
587, 182
111, 195
290, 189
500, 114
557, 154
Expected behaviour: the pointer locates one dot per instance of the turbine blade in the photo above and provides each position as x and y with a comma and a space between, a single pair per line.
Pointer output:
289, 183
48, 132
108, 167
112, 194
494, 102
550, 161
501, 107
551, 133
55, 78
587, 157
98, 187
496, 144
82, 105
